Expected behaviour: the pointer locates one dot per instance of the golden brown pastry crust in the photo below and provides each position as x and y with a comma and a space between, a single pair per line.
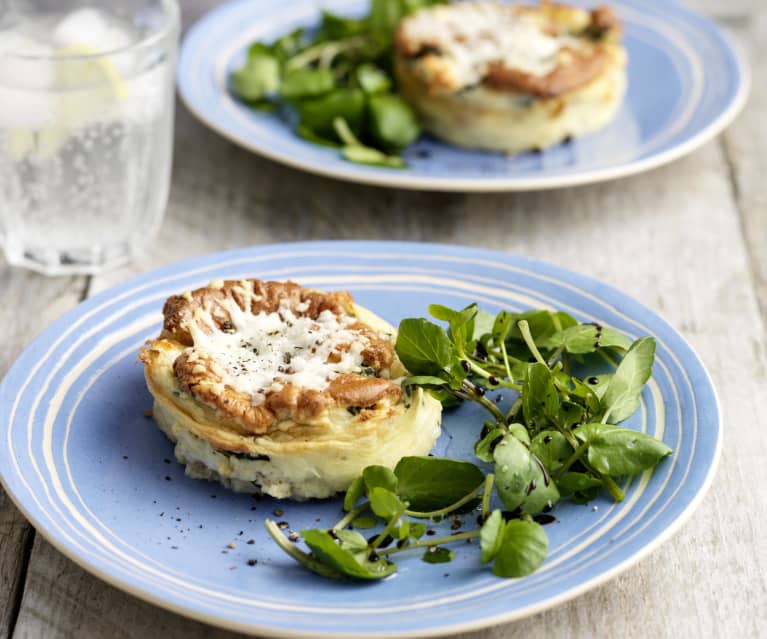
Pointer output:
298, 443
200, 376
597, 33
478, 91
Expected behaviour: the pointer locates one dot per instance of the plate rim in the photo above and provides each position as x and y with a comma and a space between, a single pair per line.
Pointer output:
390, 179
178, 267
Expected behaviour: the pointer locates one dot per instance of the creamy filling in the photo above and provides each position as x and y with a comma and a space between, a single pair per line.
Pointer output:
262, 353
475, 35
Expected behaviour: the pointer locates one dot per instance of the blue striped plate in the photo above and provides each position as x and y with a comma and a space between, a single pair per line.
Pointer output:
97, 479
686, 83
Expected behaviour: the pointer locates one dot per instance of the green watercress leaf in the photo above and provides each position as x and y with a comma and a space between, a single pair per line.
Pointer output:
417, 530
551, 447
424, 380
379, 477
351, 540
336, 27
542, 492
491, 536
365, 521
570, 414
384, 17
318, 114
433, 483
620, 452
392, 121
385, 503
586, 338
483, 324
540, 400
501, 326
513, 471
444, 396
306, 83
621, 398
257, 79
353, 493
258, 49
423, 347
522, 551
598, 384
461, 323
310, 136
402, 531
520, 432
289, 45
325, 549
437, 555
483, 448
372, 79
542, 323
572, 483
586, 393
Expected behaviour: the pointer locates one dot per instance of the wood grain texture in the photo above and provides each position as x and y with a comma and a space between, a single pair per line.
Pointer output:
680, 239
745, 143
30, 302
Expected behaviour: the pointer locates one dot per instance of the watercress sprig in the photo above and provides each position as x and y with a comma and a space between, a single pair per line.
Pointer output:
335, 83
419, 488
558, 439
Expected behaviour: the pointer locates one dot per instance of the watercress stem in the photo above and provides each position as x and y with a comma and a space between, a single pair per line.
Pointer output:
470, 393
524, 328
577, 454
344, 132
351, 515
487, 491
301, 557
555, 356
609, 483
447, 510
566, 363
389, 527
515, 407
325, 52
471, 534
475, 368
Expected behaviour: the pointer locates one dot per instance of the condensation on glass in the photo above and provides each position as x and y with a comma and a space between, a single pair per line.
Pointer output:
86, 126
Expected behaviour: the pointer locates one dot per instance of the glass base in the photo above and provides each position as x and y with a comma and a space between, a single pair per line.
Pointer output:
81, 261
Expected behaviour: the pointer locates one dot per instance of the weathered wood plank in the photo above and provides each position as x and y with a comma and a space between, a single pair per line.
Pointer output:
746, 145
726, 11
30, 302
59, 590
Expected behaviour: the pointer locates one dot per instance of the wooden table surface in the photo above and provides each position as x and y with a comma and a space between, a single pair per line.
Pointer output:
688, 240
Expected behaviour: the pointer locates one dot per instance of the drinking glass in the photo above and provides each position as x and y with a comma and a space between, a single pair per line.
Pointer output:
86, 129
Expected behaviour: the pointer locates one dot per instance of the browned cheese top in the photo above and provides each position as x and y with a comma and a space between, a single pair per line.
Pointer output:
543, 51
264, 353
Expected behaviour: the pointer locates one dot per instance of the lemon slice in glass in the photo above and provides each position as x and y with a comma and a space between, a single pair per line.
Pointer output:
85, 66
85, 88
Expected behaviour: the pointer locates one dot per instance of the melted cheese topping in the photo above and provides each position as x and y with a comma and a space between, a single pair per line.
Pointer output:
476, 34
264, 352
